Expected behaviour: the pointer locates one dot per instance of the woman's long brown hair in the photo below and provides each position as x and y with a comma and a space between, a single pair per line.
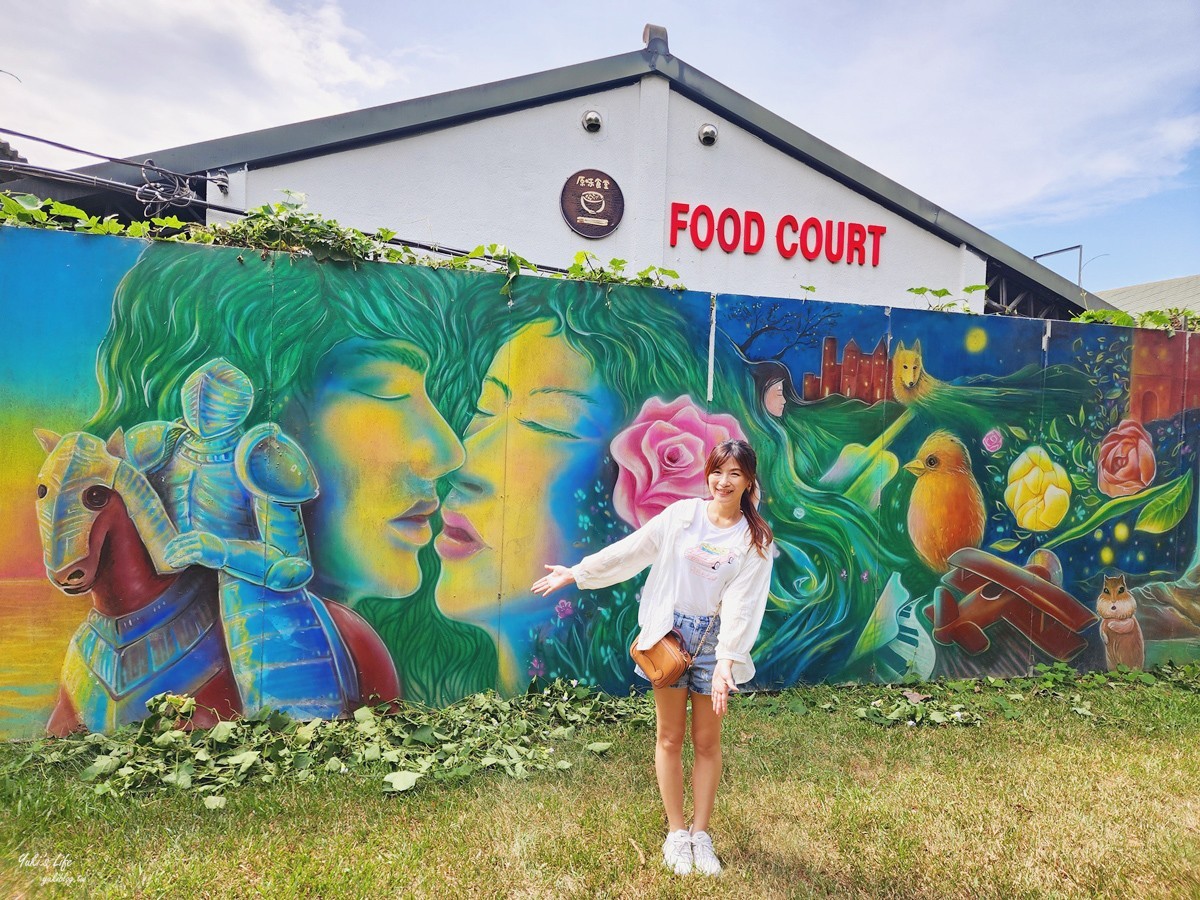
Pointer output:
747, 460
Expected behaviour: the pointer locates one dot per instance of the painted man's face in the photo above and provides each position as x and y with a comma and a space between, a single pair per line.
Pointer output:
378, 446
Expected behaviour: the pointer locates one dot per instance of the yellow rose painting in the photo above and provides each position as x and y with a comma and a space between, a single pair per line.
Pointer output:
1039, 491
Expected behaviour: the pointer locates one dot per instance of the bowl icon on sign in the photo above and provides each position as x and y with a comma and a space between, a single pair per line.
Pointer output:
592, 201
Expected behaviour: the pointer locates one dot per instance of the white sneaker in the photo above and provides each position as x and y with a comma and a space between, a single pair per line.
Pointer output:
677, 852
704, 857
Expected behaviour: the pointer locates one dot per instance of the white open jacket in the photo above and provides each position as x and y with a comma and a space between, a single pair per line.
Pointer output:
742, 603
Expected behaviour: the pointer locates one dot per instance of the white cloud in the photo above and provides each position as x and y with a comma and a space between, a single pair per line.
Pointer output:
1007, 112
1001, 111
127, 78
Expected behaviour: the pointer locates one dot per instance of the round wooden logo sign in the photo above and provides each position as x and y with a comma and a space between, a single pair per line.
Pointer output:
592, 203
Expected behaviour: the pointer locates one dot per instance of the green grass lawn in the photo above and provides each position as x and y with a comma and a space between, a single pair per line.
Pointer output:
1089, 791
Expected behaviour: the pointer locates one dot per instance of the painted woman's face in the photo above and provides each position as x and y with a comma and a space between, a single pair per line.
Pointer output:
378, 447
542, 427
774, 400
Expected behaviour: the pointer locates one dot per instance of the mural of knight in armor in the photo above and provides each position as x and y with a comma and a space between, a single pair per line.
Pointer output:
358, 381
151, 628
235, 496
230, 499
299, 484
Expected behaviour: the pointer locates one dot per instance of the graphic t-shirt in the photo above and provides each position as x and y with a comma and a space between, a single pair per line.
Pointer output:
662, 544
707, 560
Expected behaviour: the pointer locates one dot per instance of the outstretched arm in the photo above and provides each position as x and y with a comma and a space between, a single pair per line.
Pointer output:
559, 576
614, 563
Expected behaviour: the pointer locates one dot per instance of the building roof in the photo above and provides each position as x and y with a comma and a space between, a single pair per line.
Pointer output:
8, 153
1174, 293
379, 124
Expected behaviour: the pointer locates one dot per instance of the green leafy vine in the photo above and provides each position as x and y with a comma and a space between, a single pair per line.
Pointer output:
287, 227
1172, 319
936, 300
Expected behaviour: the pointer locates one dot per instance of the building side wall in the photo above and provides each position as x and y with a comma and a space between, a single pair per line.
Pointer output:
499, 180
740, 172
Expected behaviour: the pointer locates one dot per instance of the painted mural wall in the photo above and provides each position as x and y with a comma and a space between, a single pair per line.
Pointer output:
268, 481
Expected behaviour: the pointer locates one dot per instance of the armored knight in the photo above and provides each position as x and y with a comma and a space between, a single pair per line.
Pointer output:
143, 635
235, 497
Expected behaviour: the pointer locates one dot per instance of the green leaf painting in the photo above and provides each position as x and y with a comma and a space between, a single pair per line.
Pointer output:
1166, 510
1119, 506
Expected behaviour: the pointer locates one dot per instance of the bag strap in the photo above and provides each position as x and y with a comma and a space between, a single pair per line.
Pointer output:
708, 628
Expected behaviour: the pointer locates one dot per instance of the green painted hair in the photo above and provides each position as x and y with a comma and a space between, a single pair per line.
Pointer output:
831, 561
274, 317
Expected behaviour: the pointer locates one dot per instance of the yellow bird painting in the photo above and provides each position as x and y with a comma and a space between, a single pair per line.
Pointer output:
946, 510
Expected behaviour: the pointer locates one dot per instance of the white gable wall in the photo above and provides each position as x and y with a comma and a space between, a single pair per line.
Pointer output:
494, 180
498, 180
742, 172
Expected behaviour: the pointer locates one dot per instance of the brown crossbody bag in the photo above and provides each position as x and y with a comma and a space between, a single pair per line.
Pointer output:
666, 661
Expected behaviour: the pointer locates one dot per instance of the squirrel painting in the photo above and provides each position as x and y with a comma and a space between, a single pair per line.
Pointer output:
1119, 628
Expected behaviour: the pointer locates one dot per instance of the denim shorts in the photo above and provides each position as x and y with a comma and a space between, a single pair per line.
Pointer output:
697, 679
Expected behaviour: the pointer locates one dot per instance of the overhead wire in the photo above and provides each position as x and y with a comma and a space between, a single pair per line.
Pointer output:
148, 164
188, 197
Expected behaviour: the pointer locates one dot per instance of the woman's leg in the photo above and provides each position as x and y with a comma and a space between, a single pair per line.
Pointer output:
706, 769
670, 705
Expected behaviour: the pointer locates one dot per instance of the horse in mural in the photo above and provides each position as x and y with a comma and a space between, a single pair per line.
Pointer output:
151, 628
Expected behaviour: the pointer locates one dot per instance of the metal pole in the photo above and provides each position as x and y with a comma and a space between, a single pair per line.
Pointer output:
1079, 279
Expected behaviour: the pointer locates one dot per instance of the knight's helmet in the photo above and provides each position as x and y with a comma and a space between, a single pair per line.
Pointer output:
217, 398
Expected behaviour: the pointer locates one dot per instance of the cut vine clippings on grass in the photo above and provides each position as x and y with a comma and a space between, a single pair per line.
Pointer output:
536, 732
518, 736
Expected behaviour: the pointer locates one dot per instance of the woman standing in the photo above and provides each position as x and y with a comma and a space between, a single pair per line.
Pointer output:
710, 574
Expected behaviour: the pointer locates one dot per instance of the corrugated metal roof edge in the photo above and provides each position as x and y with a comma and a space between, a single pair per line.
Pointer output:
380, 123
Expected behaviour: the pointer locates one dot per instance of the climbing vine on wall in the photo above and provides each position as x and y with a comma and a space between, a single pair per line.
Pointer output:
287, 227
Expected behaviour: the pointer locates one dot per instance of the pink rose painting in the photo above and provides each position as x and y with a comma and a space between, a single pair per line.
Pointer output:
661, 456
1125, 464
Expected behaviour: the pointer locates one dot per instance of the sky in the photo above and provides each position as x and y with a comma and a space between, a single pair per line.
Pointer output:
1046, 124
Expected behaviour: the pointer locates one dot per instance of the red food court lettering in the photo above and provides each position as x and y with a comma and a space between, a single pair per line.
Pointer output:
838, 241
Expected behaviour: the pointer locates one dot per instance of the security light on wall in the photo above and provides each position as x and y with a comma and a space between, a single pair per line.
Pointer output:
592, 121
707, 134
